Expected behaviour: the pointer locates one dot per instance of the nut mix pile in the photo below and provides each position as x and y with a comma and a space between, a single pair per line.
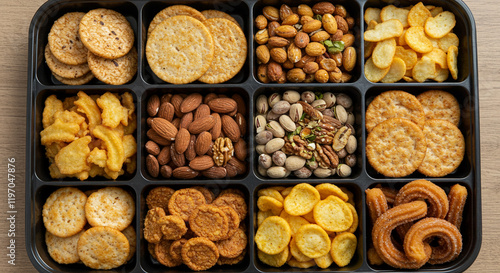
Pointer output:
306, 226
308, 133
194, 135
304, 44
107, 243
90, 135
98, 43
190, 226
414, 43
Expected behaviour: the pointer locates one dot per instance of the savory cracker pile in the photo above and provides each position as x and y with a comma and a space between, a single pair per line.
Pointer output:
306, 226
190, 226
90, 135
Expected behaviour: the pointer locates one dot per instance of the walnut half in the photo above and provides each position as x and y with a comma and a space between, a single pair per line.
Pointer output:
223, 150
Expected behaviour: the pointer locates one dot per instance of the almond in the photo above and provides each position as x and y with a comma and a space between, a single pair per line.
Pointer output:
202, 124
152, 148
202, 111
215, 131
202, 143
263, 54
323, 8
231, 171
242, 123
276, 41
152, 166
240, 104
166, 111
164, 156
153, 105
209, 97
190, 151
165, 98
166, 171
278, 55
240, 149
238, 165
301, 39
191, 102
177, 159
222, 105
157, 138
176, 101
164, 128
176, 122
182, 140
286, 31
186, 120
274, 71
215, 173
201, 163
230, 128
184, 173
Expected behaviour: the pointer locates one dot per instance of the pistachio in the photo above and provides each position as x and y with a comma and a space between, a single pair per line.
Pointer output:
262, 171
263, 137
275, 128
319, 105
342, 153
351, 144
261, 22
308, 96
274, 144
271, 13
350, 118
340, 139
312, 164
329, 98
343, 170
265, 161
276, 172
281, 107
294, 163
272, 116
260, 149
322, 172
279, 158
273, 99
291, 96
328, 112
296, 111
350, 160
340, 113
262, 36
262, 105
344, 100
287, 123
353, 132
303, 173
260, 123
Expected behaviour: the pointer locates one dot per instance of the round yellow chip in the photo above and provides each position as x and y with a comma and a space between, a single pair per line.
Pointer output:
276, 260
262, 215
416, 39
324, 261
333, 214
295, 222
271, 193
383, 53
441, 74
396, 71
273, 235
355, 219
439, 26
343, 248
309, 217
286, 192
301, 199
373, 73
312, 241
452, 61
349, 194
265, 203
447, 41
296, 253
327, 189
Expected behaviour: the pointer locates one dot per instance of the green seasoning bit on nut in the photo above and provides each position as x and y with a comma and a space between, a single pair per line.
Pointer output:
328, 43
318, 17
337, 47
319, 95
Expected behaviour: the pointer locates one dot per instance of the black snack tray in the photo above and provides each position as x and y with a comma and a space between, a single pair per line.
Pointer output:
139, 13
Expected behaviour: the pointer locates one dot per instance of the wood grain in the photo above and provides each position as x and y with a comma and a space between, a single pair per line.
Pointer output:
15, 17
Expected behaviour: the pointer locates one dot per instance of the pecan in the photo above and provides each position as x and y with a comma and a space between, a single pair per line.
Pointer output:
324, 158
223, 150
334, 158
310, 111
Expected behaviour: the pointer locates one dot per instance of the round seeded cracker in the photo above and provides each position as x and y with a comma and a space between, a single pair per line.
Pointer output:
62, 69
110, 207
174, 11
64, 212
63, 250
76, 81
440, 105
117, 71
211, 13
103, 248
64, 41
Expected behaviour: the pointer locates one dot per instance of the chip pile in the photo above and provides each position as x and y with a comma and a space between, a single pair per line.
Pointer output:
90, 135
305, 226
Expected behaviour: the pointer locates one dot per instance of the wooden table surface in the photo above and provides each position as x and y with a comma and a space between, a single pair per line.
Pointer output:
15, 17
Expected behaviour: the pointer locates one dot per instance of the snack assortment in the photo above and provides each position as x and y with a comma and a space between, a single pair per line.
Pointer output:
192, 226
305, 44
90, 135
414, 43
195, 135
92, 227
305, 226
211, 50
99, 43
403, 137
305, 133
426, 223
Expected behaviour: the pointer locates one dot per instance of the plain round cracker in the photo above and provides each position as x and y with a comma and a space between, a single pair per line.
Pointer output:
64, 212
63, 250
230, 50
129, 232
62, 69
396, 147
110, 207
211, 13
106, 33
103, 248
445, 148
394, 104
180, 49
174, 11
76, 81
439, 104
64, 41
115, 72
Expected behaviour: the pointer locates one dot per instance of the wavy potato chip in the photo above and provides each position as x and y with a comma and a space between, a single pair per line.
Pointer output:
59, 132
383, 53
52, 106
69, 117
438, 56
89, 107
409, 56
324, 261
424, 69
97, 157
72, 158
327, 189
343, 248
276, 260
355, 219
128, 102
372, 14
129, 145
401, 39
448, 40
333, 214
441, 74
296, 253
304, 265
418, 15
452, 61
114, 145
301, 199
271, 193
273, 235
132, 125
312, 241
373, 73
385, 30
131, 164
396, 71
295, 222
113, 113
416, 39
393, 12
440, 25
435, 11
265, 203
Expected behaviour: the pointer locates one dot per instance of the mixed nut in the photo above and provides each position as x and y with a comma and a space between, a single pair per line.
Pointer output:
308, 133
195, 135
305, 44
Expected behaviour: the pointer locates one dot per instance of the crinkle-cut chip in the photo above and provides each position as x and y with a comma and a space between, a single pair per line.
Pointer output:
304, 265
55, 172
373, 73
113, 113
276, 260
438, 56
392, 12
441, 74
98, 157
128, 102
424, 69
271, 193
386, 30
262, 215
448, 40
84, 130
296, 253
301, 199
343, 248
355, 218
435, 11
437, 27
333, 214
114, 146
384, 53
72, 158
109, 174
273, 235
396, 71
409, 56
131, 164
295, 222
313, 241
452, 61
96, 171
68, 116
129, 145
132, 125
418, 15
401, 39
265, 203
327, 189
324, 261
372, 14
286, 192
69, 103
416, 39
59, 132
52, 106
89, 107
